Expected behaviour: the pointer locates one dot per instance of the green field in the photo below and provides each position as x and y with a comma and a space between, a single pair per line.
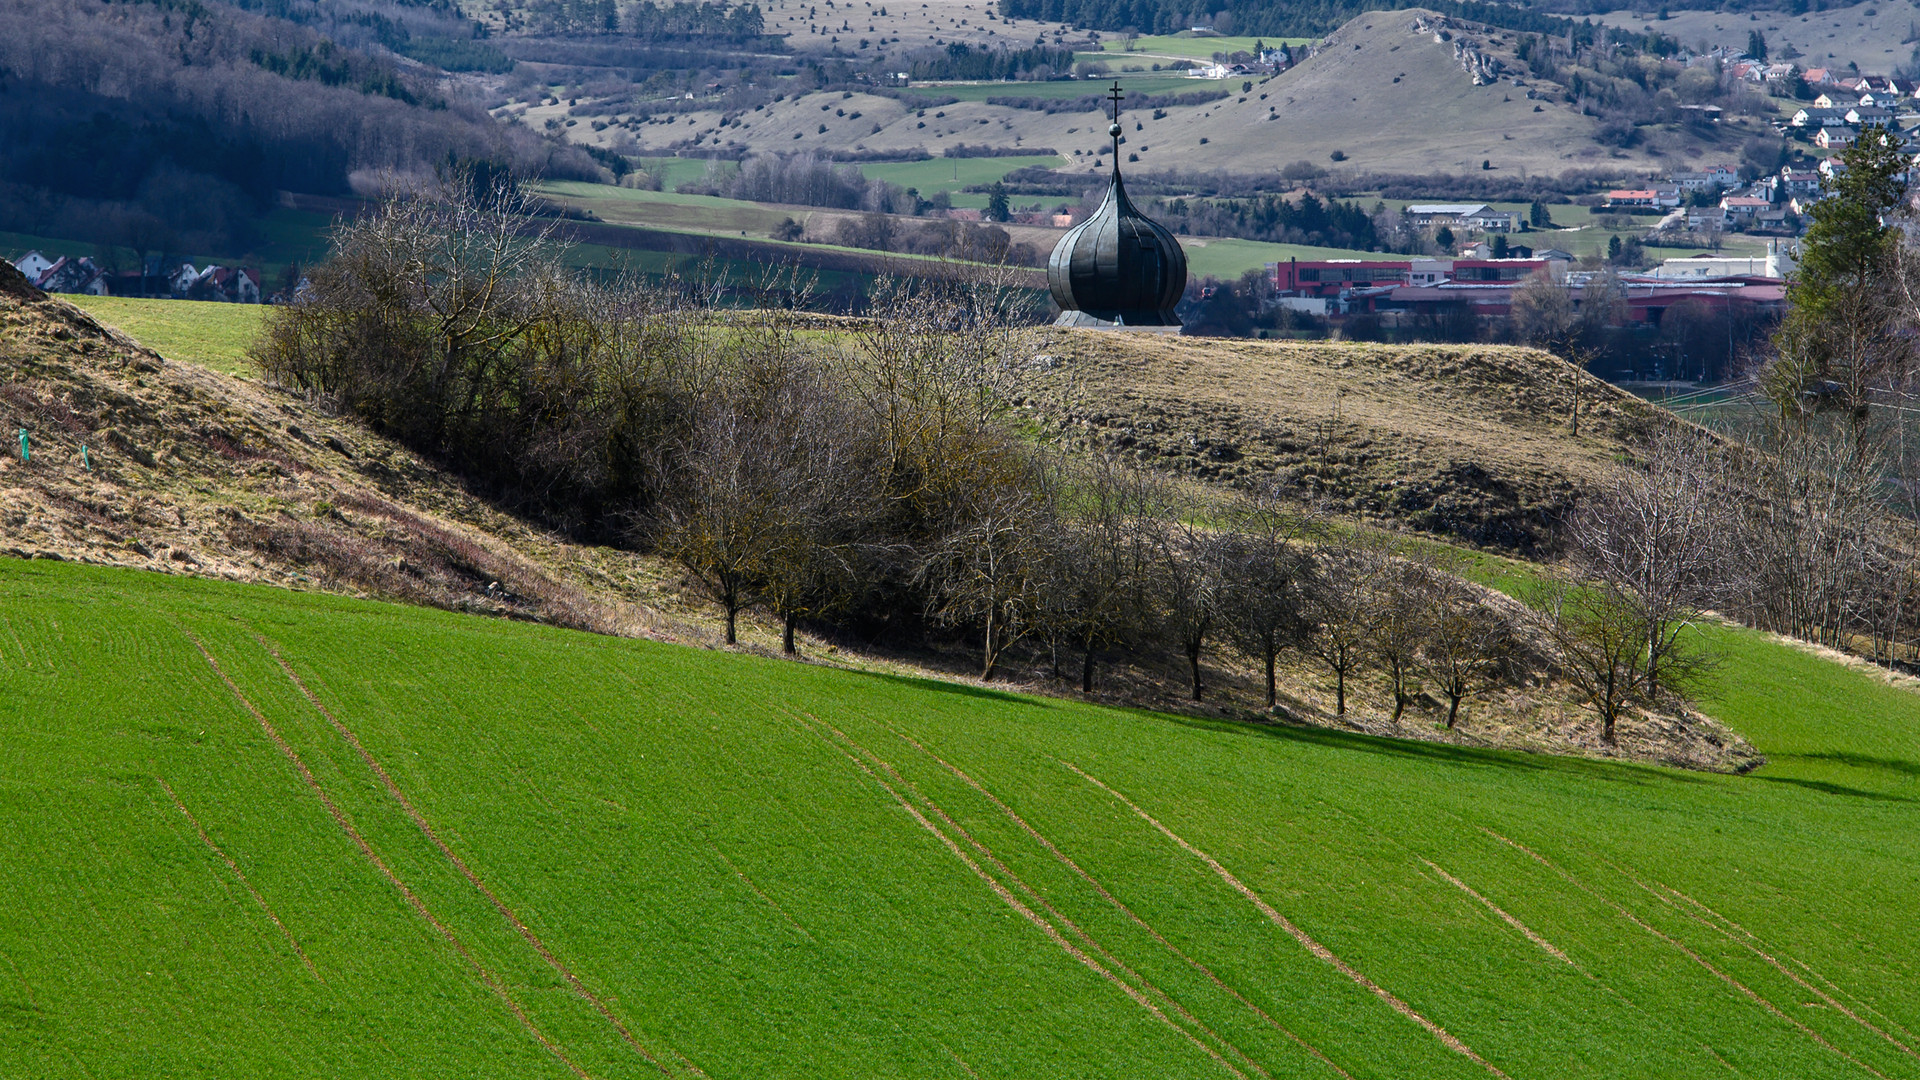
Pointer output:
1064, 88
667, 209
215, 335
952, 174
1190, 47
259, 833
674, 171
1226, 259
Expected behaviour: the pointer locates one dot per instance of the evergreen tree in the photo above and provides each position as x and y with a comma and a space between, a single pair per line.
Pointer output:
997, 209
1756, 45
1841, 338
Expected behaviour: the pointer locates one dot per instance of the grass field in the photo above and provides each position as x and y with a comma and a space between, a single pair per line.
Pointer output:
674, 171
1224, 259
1066, 88
1193, 48
259, 833
214, 335
952, 174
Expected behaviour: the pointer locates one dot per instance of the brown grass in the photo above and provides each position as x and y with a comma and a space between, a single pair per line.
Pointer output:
1471, 442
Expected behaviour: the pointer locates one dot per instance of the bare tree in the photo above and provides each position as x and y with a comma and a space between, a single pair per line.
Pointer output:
1469, 646
1656, 537
1187, 588
991, 569
1399, 598
1341, 605
1267, 581
1100, 592
1600, 638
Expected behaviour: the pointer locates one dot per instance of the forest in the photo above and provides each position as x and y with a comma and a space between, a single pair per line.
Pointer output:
169, 125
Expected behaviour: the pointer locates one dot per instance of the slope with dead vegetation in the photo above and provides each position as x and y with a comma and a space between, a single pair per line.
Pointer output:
137, 460
1470, 442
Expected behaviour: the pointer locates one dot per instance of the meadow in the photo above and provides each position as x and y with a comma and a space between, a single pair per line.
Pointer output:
953, 174
1064, 88
1187, 46
212, 334
261, 833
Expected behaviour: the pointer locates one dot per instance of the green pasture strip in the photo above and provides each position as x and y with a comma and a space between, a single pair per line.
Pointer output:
1227, 258
1064, 88
1190, 47
674, 171
210, 334
952, 174
716, 847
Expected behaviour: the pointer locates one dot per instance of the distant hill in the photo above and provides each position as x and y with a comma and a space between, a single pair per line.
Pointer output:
166, 125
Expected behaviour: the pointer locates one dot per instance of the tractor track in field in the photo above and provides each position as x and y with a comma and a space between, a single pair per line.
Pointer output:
1115, 901
1319, 951
1544, 944
1005, 895
487, 977
1747, 940
1747, 991
419, 820
1167, 1000
748, 882
241, 877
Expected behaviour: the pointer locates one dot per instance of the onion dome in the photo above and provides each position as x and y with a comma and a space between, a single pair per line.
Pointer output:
1118, 267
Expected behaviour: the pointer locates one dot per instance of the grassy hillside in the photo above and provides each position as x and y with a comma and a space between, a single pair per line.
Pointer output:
260, 833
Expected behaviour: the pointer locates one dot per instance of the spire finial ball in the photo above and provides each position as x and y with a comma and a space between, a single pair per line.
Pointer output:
1113, 129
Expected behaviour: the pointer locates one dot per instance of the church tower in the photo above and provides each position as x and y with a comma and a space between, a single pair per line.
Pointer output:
1119, 269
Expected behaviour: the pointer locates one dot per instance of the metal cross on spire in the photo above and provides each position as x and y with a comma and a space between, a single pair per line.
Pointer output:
1114, 130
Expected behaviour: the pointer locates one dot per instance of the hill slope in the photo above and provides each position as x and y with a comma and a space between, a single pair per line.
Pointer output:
257, 833
1472, 441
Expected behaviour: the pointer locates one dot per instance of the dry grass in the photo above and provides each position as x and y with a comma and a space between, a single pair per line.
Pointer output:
1470, 442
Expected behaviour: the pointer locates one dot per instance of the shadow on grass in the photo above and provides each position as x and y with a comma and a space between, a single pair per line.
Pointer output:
1837, 789
921, 682
1864, 761
1444, 753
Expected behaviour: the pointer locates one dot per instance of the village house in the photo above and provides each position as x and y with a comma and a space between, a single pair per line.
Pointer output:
1791, 182
1644, 198
1742, 208
1834, 137
1868, 114
32, 265
1815, 117
1706, 217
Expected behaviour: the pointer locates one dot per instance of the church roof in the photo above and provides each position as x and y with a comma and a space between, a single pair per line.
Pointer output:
1119, 266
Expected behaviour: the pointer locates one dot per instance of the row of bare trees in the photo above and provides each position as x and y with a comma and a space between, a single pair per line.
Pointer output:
866, 476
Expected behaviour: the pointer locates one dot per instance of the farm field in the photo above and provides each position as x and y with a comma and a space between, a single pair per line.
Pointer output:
1228, 258
211, 334
265, 833
1188, 46
1133, 83
953, 174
